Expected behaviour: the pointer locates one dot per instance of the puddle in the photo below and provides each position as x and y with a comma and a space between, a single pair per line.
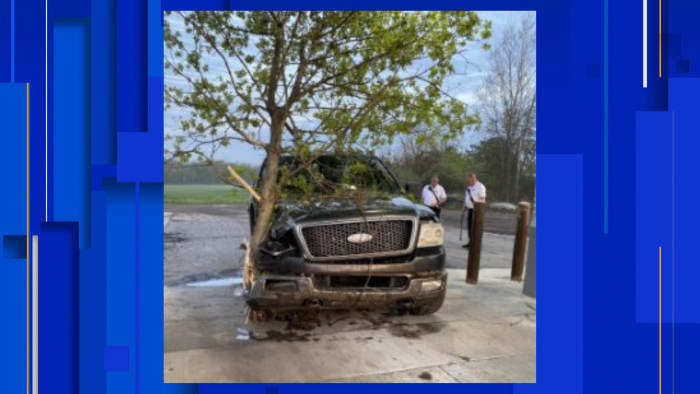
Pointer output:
174, 238
279, 336
305, 320
414, 331
218, 282
228, 277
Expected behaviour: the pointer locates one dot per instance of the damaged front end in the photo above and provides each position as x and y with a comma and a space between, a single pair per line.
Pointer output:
330, 256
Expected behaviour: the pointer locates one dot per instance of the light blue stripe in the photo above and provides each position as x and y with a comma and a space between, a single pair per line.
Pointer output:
605, 116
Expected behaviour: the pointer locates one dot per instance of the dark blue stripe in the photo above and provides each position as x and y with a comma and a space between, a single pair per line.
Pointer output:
605, 116
12, 41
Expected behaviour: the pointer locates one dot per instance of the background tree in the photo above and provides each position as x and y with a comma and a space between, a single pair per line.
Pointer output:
308, 83
414, 164
508, 102
421, 155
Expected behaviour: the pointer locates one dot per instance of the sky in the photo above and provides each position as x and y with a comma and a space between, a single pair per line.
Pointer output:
464, 86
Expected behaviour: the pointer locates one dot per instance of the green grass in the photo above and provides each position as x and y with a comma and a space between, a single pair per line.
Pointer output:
204, 194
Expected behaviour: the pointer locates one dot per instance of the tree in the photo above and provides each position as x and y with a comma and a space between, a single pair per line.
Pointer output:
420, 156
308, 83
509, 100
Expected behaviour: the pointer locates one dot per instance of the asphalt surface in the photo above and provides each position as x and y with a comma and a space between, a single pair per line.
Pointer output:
202, 241
495, 222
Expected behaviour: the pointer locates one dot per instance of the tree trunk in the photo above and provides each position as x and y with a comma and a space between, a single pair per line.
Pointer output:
507, 184
516, 181
268, 192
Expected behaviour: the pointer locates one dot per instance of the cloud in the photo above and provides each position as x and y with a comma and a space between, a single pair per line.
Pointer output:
468, 97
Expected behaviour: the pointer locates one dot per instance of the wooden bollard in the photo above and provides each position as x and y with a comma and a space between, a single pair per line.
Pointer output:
474, 258
516, 272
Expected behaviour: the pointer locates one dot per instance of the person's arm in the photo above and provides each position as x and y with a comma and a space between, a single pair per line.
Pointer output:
482, 193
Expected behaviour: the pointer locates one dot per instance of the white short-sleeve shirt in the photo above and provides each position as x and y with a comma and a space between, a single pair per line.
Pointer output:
478, 193
429, 197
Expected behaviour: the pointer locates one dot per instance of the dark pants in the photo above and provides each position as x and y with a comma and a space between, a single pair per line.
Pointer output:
436, 210
470, 216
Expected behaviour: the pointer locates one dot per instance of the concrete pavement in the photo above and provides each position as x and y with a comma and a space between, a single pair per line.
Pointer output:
483, 333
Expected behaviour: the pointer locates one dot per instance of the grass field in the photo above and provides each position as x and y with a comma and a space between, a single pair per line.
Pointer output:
204, 194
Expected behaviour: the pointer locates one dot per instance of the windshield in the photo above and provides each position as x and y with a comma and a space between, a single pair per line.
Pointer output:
336, 174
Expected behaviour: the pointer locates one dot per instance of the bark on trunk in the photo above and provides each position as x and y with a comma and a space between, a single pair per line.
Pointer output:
516, 180
268, 192
507, 169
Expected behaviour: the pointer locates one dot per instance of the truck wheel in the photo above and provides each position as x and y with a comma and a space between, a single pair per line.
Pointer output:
259, 315
431, 307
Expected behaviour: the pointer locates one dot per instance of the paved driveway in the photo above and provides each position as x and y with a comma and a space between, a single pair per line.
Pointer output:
483, 333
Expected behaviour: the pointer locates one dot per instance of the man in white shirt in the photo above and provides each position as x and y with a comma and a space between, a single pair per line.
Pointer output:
434, 195
476, 192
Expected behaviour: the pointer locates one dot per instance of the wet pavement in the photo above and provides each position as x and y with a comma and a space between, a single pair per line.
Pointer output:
482, 333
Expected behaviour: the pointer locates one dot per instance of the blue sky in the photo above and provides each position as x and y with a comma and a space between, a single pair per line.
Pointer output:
464, 86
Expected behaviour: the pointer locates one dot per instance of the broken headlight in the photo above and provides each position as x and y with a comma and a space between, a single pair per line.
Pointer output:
431, 234
276, 248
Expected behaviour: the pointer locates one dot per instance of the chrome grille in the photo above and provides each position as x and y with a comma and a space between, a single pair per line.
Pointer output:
331, 240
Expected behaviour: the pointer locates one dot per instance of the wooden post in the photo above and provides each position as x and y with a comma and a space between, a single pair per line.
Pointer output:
516, 272
473, 260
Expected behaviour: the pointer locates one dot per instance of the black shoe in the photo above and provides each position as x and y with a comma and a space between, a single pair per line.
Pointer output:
466, 246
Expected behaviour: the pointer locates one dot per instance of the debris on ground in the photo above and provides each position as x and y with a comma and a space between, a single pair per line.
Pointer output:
242, 334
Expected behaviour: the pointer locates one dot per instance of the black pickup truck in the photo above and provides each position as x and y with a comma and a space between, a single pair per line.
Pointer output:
385, 251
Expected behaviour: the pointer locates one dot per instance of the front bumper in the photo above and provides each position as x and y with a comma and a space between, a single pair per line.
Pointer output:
303, 293
289, 283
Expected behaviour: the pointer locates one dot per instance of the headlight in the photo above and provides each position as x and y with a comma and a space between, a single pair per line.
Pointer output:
431, 234
275, 248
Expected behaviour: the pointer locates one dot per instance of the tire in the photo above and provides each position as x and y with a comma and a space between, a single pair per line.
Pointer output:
259, 315
431, 307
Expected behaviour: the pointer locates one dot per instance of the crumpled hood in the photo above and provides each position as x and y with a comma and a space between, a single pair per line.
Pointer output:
292, 212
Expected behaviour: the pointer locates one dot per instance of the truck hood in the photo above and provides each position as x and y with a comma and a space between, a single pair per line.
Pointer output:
292, 212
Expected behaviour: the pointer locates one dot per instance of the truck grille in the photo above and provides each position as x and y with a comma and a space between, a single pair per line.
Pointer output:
331, 240
359, 282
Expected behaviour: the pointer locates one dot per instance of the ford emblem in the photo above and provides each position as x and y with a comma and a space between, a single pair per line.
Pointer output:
359, 238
